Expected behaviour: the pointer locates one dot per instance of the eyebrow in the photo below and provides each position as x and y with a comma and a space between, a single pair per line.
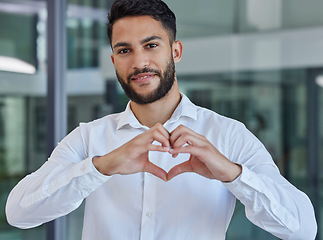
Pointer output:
121, 44
148, 39
125, 44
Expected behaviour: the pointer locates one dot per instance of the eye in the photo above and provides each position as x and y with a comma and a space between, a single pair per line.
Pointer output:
123, 51
151, 45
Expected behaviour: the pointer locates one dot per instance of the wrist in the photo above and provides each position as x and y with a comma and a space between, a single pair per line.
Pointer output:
235, 172
98, 163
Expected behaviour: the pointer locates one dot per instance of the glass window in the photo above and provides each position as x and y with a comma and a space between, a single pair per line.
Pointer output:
92, 3
81, 109
21, 152
204, 17
85, 37
17, 36
263, 15
22, 148
320, 214
300, 14
271, 104
216, 17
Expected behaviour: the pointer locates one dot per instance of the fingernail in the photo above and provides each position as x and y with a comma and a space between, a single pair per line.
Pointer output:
174, 155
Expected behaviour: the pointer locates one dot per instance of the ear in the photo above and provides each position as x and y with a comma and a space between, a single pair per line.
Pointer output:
177, 51
112, 58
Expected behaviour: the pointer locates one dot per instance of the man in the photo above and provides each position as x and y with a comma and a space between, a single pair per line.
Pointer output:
124, 164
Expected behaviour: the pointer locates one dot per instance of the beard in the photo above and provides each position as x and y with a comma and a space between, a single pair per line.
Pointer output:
167, 80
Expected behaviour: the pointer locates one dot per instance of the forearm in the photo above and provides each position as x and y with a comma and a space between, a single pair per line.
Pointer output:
275, 205
52, 191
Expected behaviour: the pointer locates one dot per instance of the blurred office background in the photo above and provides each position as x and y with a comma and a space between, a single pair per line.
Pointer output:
258, 61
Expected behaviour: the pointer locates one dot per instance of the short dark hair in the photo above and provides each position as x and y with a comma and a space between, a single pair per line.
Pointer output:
157, 9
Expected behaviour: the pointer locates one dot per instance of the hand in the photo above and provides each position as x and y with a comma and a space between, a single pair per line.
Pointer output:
132, 157
205, 159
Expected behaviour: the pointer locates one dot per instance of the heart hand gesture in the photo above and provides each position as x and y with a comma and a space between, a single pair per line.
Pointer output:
132, 157
205, 159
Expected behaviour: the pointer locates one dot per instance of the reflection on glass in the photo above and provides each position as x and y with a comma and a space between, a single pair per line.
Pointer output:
17, 156
17, 37
217, 17
272, 105
85, 37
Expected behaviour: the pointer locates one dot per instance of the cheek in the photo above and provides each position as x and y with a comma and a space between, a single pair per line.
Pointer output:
120, 67
161, 61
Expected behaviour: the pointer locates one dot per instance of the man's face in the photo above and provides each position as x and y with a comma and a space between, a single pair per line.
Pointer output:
143, 58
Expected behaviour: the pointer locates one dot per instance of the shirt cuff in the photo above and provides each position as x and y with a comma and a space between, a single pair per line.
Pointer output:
81, 176
244, 184
248, 189
91, 178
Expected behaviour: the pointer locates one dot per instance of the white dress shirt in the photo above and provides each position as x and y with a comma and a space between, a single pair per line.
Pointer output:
141, 206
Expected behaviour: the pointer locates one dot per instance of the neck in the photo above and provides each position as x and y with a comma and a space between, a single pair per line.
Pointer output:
159, 111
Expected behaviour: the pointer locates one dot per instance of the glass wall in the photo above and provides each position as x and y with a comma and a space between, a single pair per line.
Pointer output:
23, 96
84, 39
320, 183
18, 34
21, 143
22, 150
85, 32
271, 104
216, 17
270, 99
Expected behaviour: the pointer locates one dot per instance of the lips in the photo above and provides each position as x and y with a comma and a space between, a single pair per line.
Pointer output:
143, 77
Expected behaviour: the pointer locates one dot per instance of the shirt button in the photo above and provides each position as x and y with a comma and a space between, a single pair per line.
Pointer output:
149, 214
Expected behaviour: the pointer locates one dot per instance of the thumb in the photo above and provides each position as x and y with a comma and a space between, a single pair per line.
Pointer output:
156, 171
179, 169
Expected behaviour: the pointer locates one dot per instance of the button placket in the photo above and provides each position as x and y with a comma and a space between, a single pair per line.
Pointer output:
149, 202
149, 213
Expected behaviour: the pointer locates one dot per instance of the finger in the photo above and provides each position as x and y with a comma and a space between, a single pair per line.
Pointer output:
174, 155
161, 129
185, 139
183, 135
179, 169
193, 150
159, 137
157, 148
176, 133
160, 134
156, 171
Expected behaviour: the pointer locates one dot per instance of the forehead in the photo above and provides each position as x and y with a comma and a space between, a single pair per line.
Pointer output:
129, 29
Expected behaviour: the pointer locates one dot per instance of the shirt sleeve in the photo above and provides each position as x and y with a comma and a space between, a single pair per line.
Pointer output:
57, 188
271, 202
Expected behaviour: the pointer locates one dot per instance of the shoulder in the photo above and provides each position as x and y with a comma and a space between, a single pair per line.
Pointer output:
213, 118
107, 122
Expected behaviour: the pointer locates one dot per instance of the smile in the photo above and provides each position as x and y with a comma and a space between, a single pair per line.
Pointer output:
143, 77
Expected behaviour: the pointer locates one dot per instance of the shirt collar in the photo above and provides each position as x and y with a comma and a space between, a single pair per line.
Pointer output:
128, 118
184, 109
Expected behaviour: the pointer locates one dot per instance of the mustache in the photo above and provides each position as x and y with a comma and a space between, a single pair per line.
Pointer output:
143, 70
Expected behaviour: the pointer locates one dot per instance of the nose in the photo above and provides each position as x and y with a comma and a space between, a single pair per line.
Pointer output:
140, 60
